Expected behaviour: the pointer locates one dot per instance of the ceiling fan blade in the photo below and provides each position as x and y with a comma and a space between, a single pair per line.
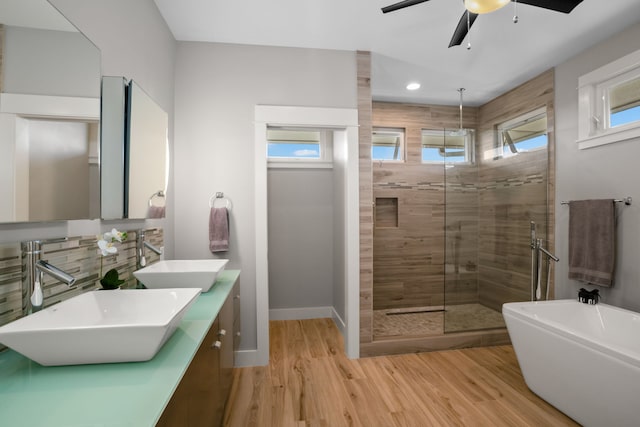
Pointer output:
564, 6
461, 30
401, 5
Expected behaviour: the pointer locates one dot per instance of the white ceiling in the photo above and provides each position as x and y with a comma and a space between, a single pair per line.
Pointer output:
411, 44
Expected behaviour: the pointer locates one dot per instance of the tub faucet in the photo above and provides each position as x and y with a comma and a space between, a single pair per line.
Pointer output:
547, 253
540, 251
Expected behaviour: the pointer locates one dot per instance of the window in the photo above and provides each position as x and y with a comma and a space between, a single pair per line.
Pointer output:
522, 134
609, 103
447, 146
298, 147
624, 103
387, 144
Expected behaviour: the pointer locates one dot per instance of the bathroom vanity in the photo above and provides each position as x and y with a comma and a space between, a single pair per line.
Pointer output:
187, 381
203, 391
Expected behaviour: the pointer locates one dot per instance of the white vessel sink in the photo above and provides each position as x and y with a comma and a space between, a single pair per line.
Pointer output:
100, 327
200, 273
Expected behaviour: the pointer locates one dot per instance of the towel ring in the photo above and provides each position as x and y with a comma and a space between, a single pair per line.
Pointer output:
219, 201
158, 193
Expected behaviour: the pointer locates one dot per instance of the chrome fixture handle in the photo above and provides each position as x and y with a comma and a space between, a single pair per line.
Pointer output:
547, 253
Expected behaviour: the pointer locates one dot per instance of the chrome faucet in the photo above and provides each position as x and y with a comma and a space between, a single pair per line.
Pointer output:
55, 272
141, 244
32, 297
540, 251
546, 252
537, 252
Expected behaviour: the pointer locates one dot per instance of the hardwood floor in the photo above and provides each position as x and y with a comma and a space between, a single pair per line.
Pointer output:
310, 382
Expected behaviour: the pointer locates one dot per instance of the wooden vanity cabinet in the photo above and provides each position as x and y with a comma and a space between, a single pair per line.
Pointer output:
200, 398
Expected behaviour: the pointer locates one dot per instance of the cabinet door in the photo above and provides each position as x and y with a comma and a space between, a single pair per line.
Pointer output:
226, 352
197, 401
236, 315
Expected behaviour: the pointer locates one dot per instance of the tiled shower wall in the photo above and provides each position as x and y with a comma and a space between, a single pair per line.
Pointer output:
409, 254
78, 256
514, 191
488, 208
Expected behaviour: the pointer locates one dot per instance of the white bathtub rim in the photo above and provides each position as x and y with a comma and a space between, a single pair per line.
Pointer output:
623, 354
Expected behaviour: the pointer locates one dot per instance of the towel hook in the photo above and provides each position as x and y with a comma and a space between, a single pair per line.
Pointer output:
219, 196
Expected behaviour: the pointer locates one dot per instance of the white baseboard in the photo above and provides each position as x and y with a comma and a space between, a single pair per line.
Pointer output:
338, 321
300, 313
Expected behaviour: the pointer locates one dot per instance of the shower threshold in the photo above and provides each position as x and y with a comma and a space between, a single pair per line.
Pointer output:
431, 320
415, 310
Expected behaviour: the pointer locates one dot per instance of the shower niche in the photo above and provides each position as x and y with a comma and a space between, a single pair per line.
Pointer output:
386, 212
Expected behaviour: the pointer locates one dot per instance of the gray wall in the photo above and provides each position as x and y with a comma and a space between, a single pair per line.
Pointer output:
609, 171
135, 42
48, 62
217, 87
300, 238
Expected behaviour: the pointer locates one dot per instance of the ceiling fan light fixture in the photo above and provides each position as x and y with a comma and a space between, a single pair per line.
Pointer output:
484, 6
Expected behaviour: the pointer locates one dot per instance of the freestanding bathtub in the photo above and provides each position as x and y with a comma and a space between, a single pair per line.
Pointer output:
583, 359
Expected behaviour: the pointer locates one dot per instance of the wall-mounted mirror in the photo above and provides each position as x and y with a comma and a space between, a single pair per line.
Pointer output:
147, 159
49, 116
134, 152
113, 106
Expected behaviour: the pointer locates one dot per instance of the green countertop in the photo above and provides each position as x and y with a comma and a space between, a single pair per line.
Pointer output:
117, 394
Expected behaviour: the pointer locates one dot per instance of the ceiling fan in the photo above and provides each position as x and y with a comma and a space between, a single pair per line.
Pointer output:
477, 7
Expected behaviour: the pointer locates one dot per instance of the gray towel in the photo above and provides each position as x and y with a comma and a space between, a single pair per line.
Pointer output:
592, 241
219, 230
155, 212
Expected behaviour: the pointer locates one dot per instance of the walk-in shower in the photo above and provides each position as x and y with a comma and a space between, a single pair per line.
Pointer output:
452, 226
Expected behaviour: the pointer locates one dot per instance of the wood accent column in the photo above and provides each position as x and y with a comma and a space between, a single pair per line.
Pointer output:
366, 196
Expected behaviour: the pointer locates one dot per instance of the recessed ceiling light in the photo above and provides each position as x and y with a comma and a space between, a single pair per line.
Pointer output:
413, 86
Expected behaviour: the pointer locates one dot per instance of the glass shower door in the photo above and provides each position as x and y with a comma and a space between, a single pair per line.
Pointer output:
489, 204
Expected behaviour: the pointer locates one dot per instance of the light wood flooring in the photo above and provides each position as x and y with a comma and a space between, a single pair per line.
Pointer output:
310, 382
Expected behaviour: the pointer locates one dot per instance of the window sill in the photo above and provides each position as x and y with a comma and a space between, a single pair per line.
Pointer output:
611, 136
299, 165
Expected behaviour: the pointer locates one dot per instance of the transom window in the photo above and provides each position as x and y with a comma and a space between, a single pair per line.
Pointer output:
298, 147
448, 146
525, 133
387, 144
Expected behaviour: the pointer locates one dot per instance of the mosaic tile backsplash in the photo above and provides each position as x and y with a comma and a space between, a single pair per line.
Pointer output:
78, 256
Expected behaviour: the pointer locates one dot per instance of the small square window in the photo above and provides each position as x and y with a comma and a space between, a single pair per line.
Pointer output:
387, 144
522, 134
624, 103
609, 103
447, 146
299, 147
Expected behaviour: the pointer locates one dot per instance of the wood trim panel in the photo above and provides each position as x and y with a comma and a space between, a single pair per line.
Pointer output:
366, 195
